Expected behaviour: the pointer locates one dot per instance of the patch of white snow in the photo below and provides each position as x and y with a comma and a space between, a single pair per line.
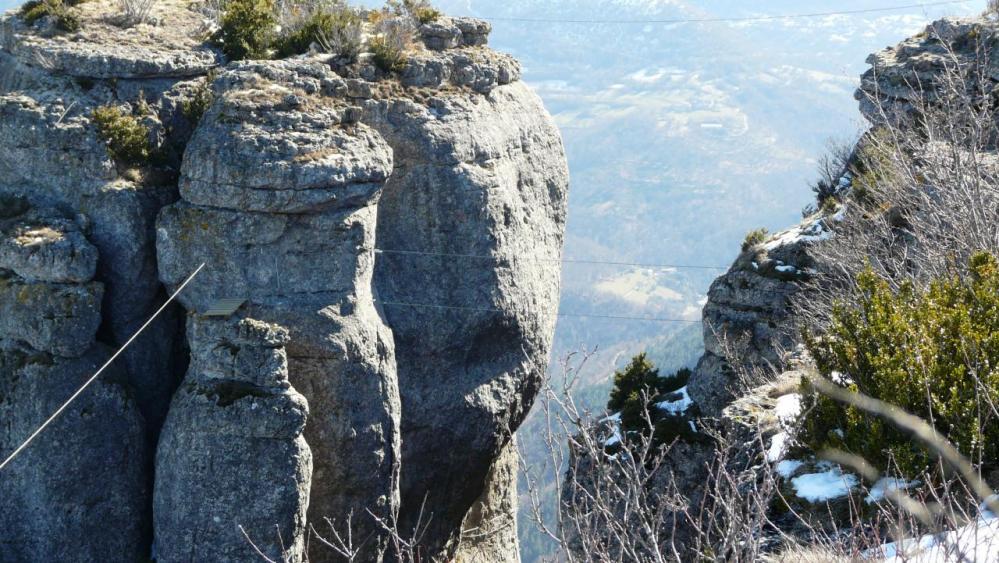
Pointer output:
828, 485
778, 447
678, 406
886, 484
788, 408
787, 467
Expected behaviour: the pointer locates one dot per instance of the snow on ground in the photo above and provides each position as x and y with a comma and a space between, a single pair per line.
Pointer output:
813, 232
615, 437
828, 485
778, 447
678, 406
977, 542
787, 467
614, 423
788, 408
886, 484
840, 379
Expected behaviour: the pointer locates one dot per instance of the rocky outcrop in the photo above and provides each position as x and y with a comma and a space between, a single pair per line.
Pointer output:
905, 78
749, 317
232, 458
291, 229
470, 226
329, 199
86, 473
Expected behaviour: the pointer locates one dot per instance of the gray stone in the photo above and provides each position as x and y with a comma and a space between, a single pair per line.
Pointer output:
232, 468
449, 33
281, 181
474, 32
57, 318
914, 72
441, 34
489, 532
79, 492
47, 249
311, 274
477, 69
476, 344
749, 315
269, 145
175, 47
51, 155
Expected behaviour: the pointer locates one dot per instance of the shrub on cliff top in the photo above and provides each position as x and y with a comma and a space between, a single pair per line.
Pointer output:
389, 46
126, 137
246, 30
134, 12
753, 238
65, 20
336, 30
201, 99
932, 352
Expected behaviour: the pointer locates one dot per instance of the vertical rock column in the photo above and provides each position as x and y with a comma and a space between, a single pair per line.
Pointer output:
232, 466
279, 186
475, 211
78, 491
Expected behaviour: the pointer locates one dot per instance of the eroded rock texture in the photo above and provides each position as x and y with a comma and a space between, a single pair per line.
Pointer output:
232, 457
86, 474
405, 228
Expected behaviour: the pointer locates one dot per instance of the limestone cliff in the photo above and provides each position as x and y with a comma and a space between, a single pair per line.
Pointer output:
389, 236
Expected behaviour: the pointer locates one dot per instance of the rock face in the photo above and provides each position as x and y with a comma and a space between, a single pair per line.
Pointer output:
494, 196
232, 457
292, 231
749, 316
489, 532
904, 78
330, 199
85, 475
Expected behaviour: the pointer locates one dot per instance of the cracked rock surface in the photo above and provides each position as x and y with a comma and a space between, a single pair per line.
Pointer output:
417, 368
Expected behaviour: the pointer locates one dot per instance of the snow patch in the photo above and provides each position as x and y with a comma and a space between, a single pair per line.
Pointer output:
814, 232
841, 379
614, 439
828, 485
886, 484
978, 541
787, 467
678, 406
778, 446
788, 408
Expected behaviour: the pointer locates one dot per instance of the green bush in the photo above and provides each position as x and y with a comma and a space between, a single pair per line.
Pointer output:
194, 108
34, 10
247, 29
754, 238
636, 391
919, 350
337, 30
388, 55
127, 139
